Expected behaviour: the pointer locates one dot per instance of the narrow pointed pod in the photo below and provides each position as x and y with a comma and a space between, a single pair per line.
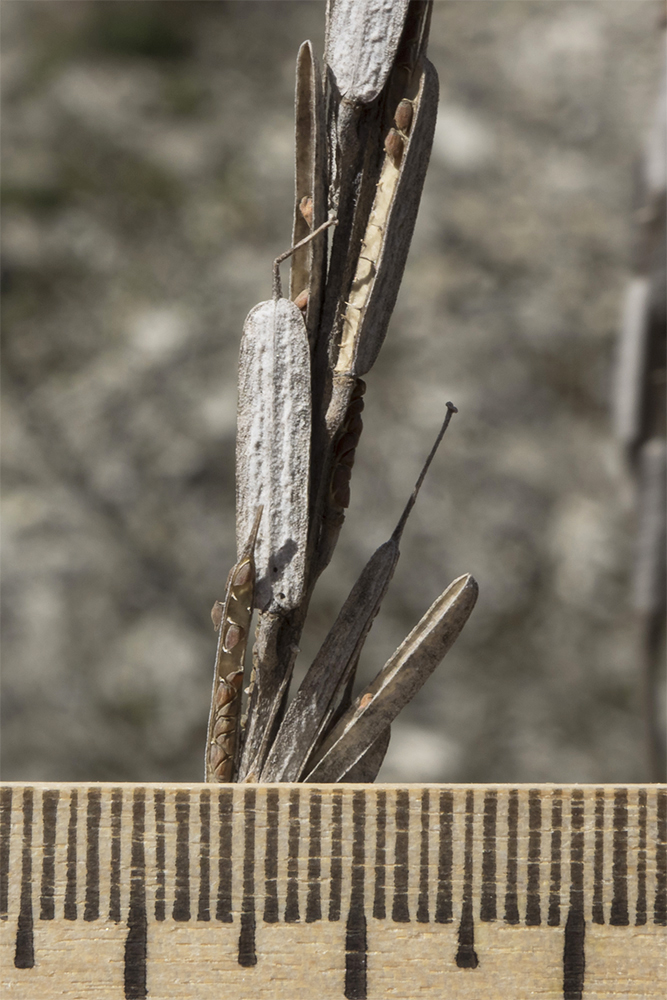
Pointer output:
365, 771
308, 266
379, 244
310, 711
231, 619
396, 684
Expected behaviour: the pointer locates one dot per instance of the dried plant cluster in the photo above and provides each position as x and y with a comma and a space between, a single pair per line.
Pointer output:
364, 129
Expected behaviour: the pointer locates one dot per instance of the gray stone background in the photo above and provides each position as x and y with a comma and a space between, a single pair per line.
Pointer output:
147, 152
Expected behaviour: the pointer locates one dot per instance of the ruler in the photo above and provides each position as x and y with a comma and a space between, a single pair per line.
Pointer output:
356, 891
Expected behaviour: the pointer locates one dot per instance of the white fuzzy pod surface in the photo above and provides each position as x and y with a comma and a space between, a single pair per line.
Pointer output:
273, 448
362, 39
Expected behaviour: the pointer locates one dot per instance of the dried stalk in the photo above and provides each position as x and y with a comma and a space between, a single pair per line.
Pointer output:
363, 137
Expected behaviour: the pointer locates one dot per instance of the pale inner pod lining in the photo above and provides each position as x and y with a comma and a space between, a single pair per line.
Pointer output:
371, 249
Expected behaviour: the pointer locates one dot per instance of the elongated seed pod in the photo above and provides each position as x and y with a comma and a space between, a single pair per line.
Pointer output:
273, 447
310, 176
396, 684
273, 441
310, 711
388, 233
232, 620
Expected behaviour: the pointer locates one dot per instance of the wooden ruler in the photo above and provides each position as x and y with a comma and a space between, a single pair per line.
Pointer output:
357, 891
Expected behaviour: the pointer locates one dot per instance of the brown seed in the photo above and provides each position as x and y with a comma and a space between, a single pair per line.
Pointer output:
302, 299
355, 425
359, 389
216, 756
224, 695
223, 726
365, 701
243, 575
403, 116
340, 486
233, 636
216, 614
393, 145
356, 406
347, 443
306, 209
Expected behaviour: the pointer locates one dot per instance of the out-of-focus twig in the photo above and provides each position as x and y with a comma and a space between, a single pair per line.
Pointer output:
639, 418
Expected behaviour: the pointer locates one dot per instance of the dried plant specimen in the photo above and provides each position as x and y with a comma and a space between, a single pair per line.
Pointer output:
364, 130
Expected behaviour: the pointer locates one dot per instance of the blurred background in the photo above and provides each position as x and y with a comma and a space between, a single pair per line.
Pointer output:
148, 185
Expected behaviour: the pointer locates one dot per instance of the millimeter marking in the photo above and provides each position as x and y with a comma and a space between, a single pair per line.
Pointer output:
364, 856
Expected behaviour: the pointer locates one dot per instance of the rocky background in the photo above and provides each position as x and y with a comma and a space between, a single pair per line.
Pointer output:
148, 152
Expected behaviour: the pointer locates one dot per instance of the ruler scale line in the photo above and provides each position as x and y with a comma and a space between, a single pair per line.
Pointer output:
511, 894
660, 905
379, 893
574, 956
553, 919
466, 956
598, 859
271, 915
619, 905
443, 907
204, 901
160, 856
314, 901
247, 949
422, 902
640, 913
94, 814
292, 896
5, 842
487, 910
70, 908
356, 943
24, 957
223, 908
533, 909
114, 881
47, 901
600, 852
336, 876
400, 912
136, 942
181, 908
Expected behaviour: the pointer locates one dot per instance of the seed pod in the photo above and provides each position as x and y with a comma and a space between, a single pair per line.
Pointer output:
310, 180
273, 441
233, 623
366, 769
313, 706
396, 684
362, 38
273, 447
388, 233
